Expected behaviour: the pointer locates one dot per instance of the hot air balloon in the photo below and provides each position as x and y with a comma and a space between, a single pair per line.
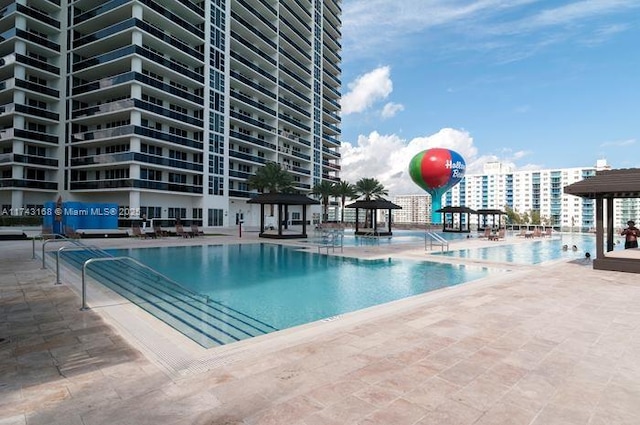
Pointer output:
436, 171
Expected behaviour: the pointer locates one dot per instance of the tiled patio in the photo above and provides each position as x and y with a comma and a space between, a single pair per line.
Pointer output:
553, 344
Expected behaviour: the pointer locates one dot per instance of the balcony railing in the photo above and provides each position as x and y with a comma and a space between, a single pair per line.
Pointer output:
10, 133
113, 158
130, 130
27, 159
137, 184
29, 184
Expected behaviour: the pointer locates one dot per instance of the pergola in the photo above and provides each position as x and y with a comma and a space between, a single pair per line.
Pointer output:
373, 206
485, 214
604, 187
282, 201
449, 226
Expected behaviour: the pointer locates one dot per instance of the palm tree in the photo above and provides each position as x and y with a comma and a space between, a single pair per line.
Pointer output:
370, 188
324, 190
344, 190
271, 178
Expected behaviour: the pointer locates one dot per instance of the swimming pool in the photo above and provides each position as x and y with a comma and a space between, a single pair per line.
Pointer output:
398, 237
282, 286
533, 252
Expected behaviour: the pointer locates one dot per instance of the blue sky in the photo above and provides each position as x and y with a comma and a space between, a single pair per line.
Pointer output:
533, 83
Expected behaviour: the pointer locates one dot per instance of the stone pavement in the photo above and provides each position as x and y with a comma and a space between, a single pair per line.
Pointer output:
545, 345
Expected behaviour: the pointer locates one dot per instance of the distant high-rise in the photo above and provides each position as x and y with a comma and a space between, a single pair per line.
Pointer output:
167, 107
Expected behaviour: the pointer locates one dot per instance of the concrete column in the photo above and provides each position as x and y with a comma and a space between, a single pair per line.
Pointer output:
134, 144
17, 199
134, 199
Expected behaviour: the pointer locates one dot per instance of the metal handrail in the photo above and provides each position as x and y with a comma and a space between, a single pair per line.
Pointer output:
72, 248
61, 239
40, 237
441, 241
333, 239
93, 260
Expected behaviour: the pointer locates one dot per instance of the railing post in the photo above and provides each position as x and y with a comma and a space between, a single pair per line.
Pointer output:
84, 286
58, 266
33, 247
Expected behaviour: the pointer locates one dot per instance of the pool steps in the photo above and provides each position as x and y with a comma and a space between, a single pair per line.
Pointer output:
206, 321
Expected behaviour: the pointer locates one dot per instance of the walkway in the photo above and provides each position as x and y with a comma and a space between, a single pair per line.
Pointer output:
548, 345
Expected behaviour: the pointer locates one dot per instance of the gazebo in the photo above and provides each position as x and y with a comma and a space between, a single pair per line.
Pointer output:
604, 187
373, 206
283, 201
485, 214
448, 226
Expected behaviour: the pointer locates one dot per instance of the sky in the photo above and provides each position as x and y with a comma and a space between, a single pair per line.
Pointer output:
536, 84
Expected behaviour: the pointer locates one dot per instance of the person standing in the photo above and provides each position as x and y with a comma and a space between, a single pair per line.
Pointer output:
631, 234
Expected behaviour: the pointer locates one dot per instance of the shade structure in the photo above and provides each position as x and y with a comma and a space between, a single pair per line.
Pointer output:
450, 225
485, 214
283, 201
371, 206
604, 187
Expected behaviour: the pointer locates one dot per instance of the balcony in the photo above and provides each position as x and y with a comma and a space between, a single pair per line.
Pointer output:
247, 157
252, 140
120, 157
35, 63
137, 184
28, 184
131, 130
17, 133
8, 158
29, 110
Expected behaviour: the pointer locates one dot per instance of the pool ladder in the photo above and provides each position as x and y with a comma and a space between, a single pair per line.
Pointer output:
432, 239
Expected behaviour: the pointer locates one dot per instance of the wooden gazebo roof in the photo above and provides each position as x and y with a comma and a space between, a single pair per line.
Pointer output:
373, 204
462, 227
457, 210
282, 200
624, 183
608, 185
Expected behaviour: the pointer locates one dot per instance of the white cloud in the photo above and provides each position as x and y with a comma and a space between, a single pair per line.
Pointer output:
391, 109
619, 143
387, 157
366, 90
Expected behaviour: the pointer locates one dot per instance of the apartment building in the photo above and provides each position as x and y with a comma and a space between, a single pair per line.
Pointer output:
416, 209
166, 107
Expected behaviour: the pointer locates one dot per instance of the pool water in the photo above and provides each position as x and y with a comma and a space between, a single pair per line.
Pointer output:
284, 286
534, 252
398, 237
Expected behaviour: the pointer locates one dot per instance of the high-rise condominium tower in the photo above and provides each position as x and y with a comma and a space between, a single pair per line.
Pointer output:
166, 107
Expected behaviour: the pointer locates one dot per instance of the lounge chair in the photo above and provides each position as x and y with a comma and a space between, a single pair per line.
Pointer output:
138, 233
523, 233
497, 236
195, 231
537, 233
180, 232
159, 232
487, 233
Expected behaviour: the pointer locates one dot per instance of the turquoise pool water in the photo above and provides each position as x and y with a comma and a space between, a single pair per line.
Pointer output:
284, 287
398, 237
534, 252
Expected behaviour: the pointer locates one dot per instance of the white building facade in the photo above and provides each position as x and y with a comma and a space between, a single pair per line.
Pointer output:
167, 107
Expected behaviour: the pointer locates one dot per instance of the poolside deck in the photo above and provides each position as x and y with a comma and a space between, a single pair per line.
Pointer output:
539, 345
